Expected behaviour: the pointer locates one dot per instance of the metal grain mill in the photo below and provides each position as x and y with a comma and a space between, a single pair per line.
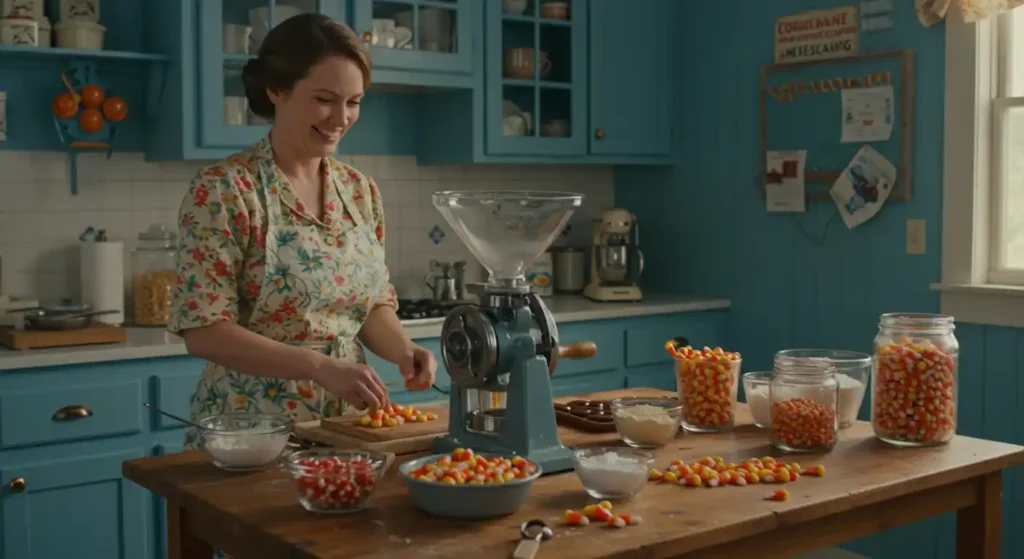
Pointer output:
500, 353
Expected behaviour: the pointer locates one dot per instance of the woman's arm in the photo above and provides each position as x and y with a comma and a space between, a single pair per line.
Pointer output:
382, 334
235, 348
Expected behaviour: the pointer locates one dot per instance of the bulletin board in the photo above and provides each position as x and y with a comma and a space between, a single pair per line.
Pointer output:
801, 109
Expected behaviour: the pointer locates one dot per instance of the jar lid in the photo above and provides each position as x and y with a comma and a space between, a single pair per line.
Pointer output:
157, 232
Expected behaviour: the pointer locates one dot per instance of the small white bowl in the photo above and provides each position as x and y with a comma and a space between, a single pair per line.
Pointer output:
612, 472
241, 442
79, 35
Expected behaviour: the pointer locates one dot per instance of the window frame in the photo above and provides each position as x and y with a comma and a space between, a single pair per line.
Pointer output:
969, 290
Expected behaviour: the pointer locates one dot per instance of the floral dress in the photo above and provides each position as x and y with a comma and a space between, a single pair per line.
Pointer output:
253, 254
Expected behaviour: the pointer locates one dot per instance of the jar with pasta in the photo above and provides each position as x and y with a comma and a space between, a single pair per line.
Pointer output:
915, 384
803, 399
153, 276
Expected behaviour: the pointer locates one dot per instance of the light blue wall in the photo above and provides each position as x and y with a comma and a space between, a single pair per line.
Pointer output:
707, 233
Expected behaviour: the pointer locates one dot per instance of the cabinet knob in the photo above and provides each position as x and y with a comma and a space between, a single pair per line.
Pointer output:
367, 36
69, 413
17, 485
599, 134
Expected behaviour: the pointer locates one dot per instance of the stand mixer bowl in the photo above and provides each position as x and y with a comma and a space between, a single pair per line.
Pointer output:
613, 264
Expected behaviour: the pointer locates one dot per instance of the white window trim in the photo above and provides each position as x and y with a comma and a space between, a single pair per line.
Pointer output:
965, 290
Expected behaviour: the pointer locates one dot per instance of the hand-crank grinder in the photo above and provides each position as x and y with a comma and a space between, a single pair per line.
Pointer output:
501, 352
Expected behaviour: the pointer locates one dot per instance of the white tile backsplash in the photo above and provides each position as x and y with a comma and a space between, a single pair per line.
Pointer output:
40, 219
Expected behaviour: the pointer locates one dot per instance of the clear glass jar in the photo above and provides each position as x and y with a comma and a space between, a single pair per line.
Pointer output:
708, 385
804, 401
153, 275
853, 371
914, 389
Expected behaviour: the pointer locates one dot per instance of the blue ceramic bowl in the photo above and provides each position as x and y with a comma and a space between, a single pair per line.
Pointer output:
466, 502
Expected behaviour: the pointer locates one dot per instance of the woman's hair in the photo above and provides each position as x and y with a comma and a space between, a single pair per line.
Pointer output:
291, 50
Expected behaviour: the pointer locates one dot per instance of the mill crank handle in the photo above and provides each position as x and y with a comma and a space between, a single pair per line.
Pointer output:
578, 350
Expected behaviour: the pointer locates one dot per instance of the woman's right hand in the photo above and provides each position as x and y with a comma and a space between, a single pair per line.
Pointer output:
356, 383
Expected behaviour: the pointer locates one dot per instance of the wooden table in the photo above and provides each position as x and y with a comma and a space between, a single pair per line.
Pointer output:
869, 487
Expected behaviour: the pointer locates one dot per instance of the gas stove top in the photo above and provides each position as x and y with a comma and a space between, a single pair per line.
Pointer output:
414, 309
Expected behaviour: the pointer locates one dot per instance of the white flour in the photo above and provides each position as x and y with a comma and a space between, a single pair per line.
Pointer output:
242, 449
851, 394
612, 474
646, 424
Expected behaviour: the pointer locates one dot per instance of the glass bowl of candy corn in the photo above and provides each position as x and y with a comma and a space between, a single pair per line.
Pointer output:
707, 381
336, 481
470, 486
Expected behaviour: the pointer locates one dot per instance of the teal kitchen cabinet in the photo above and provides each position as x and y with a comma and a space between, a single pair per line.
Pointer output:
418, 42
630, 78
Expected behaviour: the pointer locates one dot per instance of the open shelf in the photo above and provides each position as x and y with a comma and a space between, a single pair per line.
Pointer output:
54, 52
536, 19
532, 83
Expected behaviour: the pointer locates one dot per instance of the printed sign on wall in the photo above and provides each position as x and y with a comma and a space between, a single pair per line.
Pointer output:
817, 35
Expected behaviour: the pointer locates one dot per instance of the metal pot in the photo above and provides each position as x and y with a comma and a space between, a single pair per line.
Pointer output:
59, 315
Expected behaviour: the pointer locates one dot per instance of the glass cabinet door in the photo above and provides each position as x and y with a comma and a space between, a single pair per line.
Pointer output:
418, 35
536, 77
231, 32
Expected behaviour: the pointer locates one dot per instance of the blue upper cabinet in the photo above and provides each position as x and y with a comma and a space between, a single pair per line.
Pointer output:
230, 33
536, 77
630, 111
417, 42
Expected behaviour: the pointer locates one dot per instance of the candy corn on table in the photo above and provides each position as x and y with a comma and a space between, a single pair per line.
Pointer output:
867, 486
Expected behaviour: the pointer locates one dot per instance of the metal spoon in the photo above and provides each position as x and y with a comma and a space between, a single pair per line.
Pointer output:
532, 532
172, 416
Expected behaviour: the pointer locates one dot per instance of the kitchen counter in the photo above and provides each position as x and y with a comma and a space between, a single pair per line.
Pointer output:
146, 343
865, 491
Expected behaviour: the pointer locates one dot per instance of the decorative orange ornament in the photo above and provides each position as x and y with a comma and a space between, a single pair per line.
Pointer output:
64, 105
115, 109
90, 121
92, 96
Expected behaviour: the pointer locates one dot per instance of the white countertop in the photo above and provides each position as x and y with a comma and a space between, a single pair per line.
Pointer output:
146, 343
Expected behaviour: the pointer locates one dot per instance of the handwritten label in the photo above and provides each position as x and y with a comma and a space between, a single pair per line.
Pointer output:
817, 35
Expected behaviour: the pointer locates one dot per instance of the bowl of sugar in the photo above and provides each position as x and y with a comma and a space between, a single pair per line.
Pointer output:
647, 422
239, 442
612, 472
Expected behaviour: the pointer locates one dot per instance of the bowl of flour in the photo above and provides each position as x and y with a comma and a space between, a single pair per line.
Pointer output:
239, 442
647, 422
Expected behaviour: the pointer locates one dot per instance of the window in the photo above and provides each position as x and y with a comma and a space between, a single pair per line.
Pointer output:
983, 199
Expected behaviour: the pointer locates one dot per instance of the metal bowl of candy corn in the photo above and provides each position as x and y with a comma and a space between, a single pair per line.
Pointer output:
469, 486
336, 481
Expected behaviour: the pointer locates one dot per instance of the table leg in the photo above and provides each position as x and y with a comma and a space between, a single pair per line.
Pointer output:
181, 542
979, 526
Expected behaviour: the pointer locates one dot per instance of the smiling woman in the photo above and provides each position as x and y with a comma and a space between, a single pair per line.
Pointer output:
281, 268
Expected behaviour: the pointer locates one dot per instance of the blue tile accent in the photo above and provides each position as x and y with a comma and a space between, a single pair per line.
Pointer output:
436, 234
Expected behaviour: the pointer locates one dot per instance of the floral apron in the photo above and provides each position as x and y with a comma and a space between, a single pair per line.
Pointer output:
310, 268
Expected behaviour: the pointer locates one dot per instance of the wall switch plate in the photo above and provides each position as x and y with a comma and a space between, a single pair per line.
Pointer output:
915, 237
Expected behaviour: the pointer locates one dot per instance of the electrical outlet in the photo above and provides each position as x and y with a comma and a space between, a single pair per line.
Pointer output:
915, 237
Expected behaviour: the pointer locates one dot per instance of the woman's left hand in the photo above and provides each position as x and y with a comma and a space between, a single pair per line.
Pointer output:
418, 368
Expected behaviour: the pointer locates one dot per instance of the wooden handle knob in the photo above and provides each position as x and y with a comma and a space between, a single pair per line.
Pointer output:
578, 350
17, 485
599, 134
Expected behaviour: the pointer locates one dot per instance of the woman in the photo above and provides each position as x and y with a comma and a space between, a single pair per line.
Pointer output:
281, 266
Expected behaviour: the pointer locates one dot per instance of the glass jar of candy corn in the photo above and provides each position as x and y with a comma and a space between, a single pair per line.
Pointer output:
803, 398
707, 381
914, 385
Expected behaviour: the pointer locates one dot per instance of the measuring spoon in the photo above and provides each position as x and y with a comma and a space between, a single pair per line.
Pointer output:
532, 532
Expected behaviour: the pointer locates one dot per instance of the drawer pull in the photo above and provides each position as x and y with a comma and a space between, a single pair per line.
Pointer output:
17, 485
71, 413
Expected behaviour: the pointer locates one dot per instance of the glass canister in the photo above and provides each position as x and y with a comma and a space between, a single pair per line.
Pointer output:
804, 401
914, 394
853, 371
153, 275
707, 382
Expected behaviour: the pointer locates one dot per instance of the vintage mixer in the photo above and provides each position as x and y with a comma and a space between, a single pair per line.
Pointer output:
501, 352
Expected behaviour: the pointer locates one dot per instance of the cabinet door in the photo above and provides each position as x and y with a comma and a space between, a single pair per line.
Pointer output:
418, 35
536, 78
630, 77
230, 34
78, 507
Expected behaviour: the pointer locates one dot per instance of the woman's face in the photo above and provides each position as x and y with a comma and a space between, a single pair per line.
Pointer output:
321, 108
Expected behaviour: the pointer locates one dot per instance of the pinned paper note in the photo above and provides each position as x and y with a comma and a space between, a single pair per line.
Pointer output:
863, 187
867, 114
785, 188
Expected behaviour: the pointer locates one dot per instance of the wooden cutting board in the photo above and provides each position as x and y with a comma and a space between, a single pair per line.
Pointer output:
36, 339
313, 431
349, 425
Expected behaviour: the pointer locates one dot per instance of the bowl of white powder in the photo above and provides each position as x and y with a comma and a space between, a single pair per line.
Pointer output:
612, 472
239, 442
853, 371
755, 388
647, 422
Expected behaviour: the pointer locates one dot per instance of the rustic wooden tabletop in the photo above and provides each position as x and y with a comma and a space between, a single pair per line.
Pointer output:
869, 487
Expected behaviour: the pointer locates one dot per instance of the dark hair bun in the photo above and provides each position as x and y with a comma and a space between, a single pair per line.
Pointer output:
289, 52
256, 89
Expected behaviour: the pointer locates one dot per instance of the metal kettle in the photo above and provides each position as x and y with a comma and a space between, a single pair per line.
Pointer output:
445, 280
